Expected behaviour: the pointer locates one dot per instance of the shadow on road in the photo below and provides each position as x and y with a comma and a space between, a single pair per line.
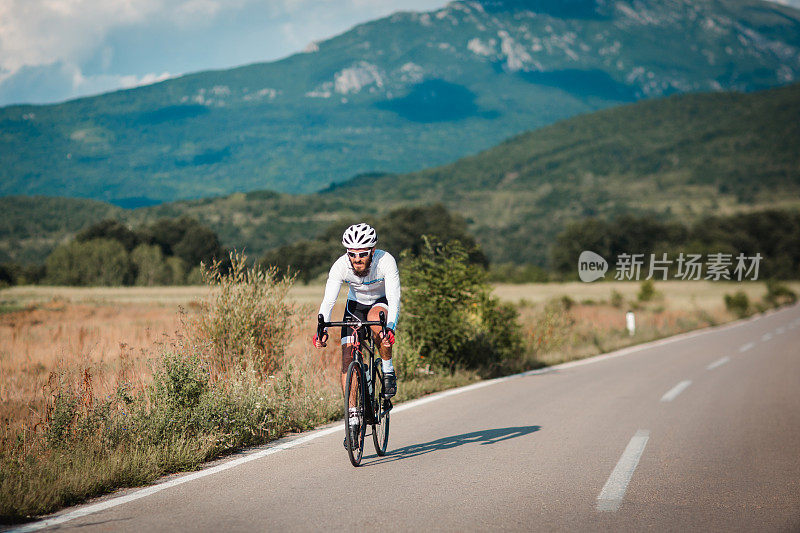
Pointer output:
483, 437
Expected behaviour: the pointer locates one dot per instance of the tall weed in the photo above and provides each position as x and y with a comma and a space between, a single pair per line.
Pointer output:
248, 319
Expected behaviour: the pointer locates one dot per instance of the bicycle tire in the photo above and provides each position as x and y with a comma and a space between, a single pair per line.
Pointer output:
355, 450
380, 427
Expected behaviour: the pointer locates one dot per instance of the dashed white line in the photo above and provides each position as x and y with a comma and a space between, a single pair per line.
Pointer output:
780, 331
613, 492
718, 362
748, 346
766, 336
674, 391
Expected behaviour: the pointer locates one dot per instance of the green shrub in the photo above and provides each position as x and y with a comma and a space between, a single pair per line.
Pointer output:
617, 300
738, 304
779, 294
177, 271
406, 356
647, 291
61, 417
180, 381
112, 230
95, 262
247, 320
449, 313
151, 268
186, 238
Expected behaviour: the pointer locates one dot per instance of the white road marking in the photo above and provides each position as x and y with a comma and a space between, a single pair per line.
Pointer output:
674, 391
613, 492
274, 448
766, 336
718, 362
747, 346
780, 331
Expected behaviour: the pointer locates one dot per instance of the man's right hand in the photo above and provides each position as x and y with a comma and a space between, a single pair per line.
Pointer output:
320, 342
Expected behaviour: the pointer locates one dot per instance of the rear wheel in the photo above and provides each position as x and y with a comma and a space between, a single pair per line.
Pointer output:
380, 429
354, 390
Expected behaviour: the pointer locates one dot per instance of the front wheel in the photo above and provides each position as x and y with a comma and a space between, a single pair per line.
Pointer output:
354, 393
380, 429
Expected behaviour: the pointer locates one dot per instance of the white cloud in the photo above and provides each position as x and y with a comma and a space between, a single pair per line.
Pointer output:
147, 79
43, 32
96, 43
82, 84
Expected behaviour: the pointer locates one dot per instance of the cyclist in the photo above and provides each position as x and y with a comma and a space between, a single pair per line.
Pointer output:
374, 286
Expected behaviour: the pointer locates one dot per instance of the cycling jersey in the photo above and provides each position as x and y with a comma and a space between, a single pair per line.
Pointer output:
382, 280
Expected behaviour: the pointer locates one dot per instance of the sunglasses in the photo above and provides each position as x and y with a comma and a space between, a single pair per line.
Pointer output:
358, 254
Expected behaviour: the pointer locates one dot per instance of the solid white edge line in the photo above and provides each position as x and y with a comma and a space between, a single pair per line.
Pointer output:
278, 446
718, 363
675, 391
613, 492
97, 507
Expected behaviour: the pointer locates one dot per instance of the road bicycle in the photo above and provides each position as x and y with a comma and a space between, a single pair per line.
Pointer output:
364, 387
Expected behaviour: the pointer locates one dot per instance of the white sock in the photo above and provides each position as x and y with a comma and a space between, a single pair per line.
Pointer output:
387, 365
353, 416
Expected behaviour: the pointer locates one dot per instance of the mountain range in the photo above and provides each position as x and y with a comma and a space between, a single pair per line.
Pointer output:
682, 157
400, 94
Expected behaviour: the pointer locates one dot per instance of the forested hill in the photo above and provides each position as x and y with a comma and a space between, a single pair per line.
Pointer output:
685, 157
399, 94
682, 157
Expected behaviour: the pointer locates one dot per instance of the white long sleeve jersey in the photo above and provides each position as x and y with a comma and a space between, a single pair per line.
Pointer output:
383, 279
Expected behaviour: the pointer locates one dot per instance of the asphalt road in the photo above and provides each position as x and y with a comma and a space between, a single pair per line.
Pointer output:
698, 433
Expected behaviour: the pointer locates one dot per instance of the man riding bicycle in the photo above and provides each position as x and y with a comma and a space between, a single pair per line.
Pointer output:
374, 286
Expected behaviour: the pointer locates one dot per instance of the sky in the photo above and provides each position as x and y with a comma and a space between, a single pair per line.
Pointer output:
54, 50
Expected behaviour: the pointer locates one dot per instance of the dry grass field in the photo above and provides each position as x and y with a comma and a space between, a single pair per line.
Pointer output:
114, 332
676, 295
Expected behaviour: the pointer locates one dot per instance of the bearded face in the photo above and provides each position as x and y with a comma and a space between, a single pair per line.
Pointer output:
360, 260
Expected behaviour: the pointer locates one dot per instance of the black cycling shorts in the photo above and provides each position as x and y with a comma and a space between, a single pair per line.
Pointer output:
359, 311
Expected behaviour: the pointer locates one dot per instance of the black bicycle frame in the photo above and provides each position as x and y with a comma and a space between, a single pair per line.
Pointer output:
368, 343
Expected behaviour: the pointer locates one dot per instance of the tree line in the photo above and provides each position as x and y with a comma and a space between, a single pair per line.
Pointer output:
774, 234
166, 252
400, 230
169, 251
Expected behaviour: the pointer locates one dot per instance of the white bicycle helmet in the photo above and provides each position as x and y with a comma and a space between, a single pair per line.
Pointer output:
359, 236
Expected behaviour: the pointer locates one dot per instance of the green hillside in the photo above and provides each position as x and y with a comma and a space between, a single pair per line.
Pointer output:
400, 94
31, 226
682, 157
